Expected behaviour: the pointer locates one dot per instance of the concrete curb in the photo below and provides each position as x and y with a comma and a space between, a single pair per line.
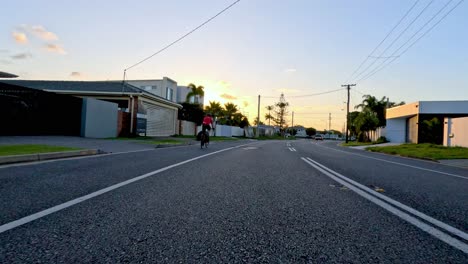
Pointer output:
47, 156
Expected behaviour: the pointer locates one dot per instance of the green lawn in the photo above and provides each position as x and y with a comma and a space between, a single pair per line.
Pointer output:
165, 142
9, 150
355, 144
424, 151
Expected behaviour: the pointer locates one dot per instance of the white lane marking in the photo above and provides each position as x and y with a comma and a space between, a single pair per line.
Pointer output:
292, 149
78, 200
413, 220
397, 163
415, 212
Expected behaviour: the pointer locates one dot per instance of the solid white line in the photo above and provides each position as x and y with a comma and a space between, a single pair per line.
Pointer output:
398, 163
415, 212
414, 221
78, 200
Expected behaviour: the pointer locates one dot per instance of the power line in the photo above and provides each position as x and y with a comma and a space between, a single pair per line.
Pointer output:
377, 69
307, 95
396, 39
184, 36
383, 40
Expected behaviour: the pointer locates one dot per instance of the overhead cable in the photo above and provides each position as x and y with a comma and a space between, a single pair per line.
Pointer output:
377, 69
184, 36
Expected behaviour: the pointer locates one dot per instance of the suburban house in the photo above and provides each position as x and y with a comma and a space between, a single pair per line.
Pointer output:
406, 123
139, 110
182, 92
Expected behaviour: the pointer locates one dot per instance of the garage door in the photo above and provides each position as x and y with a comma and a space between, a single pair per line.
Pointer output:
160, 121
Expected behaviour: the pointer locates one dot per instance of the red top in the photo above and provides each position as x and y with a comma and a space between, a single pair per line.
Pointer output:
207, 120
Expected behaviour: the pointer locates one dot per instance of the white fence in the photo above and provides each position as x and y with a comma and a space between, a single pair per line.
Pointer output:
187, 128
455, 132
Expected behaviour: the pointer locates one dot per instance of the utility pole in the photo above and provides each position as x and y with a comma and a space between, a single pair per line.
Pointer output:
292, 123
329, 122
258, 117
348, 87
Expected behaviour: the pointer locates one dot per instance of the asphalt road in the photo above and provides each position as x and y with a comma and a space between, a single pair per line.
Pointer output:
268, 201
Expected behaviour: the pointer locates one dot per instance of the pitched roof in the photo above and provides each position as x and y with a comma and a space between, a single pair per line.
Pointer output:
83, 87
77, 86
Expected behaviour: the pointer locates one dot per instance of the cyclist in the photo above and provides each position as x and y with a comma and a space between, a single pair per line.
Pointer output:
206, 126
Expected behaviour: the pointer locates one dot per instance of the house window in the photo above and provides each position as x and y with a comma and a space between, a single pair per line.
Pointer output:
169, 93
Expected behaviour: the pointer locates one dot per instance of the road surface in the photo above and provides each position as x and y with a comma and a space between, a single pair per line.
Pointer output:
296, 201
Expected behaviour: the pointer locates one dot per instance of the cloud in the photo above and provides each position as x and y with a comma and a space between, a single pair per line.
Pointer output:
55, 48
76, 75
20, 38
246, 103
22, 56
290, 70
7, 62
40, 32
228, 97
3, 51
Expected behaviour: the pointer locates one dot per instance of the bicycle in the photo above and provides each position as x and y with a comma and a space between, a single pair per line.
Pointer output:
204, 139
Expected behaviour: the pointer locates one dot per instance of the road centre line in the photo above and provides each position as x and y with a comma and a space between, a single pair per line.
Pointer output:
414, 221
54, 209
397, 163
415, 212
386, 204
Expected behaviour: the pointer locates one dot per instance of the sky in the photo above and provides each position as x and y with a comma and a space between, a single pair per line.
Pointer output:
257, 47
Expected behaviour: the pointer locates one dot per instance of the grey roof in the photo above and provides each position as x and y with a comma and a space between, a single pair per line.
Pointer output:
85, 86
7, 75
77, 86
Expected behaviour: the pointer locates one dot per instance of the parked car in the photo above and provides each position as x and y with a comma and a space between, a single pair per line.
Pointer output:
318, 137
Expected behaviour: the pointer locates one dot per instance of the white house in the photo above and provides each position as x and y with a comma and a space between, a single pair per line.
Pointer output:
165, 88
404, 122
182, 92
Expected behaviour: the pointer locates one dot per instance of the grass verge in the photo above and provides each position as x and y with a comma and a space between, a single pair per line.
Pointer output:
165, 142
424, 151
9, 150
356, 144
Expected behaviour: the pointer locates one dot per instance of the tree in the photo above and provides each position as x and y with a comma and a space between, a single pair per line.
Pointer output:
268, 116
378, 107
311, 131
352, 123
196, 92
281, 111
256, 122
365, 122
191, 112
215, 109
431, 131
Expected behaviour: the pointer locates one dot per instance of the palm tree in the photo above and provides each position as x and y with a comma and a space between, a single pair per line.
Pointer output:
214, 108
269, 116
196, 92
230, 110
